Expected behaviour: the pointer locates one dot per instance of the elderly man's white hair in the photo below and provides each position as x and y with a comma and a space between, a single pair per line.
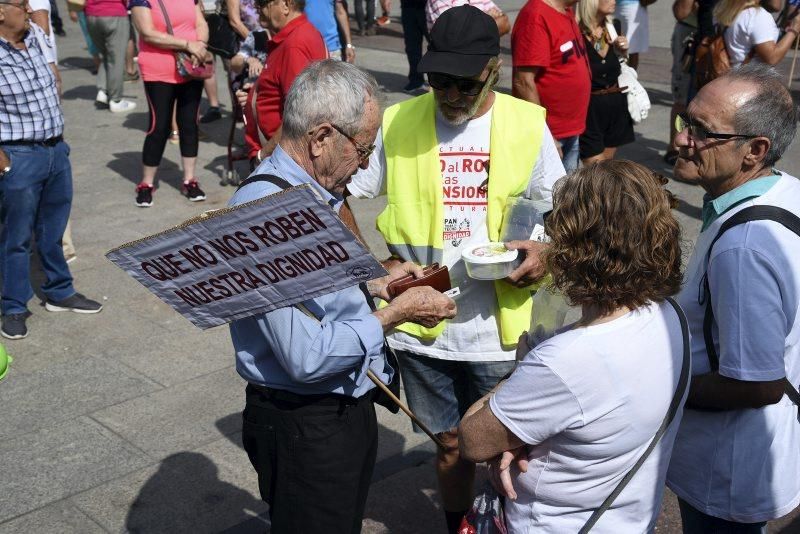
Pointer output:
327, 91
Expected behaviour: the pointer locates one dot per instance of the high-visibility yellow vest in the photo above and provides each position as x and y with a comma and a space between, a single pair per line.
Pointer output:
413, 222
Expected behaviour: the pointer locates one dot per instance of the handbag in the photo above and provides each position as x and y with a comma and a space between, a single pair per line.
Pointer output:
183, 62
680, 390
222, 40
638, 100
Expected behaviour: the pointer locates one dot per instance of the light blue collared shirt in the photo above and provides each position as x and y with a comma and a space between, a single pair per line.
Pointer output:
713, 208
285, 348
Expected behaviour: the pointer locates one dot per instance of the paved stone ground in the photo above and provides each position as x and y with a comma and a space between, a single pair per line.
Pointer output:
130, 420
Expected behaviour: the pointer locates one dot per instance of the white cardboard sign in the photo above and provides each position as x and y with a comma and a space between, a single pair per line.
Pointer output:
229, 264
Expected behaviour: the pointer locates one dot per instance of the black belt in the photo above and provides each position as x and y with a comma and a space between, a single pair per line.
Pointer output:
333, 399
53, 141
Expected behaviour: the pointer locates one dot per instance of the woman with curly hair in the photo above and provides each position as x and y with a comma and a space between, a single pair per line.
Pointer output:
582, 406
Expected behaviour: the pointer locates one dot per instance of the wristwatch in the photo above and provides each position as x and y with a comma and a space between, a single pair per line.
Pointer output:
350, 46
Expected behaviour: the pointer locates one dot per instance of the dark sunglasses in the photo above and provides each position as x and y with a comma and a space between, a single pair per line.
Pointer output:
363, 151
465, 86
698, 133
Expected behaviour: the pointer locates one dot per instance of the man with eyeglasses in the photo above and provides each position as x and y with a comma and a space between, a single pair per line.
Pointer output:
448, 161
309, 421
736, 458
35, 175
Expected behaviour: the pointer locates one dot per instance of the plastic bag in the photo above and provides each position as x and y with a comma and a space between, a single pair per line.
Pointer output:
486, 515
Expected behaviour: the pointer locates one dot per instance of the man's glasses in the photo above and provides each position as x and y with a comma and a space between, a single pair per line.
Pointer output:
698, 133
465, 86
363, 151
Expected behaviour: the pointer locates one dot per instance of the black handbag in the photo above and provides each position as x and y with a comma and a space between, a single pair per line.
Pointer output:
222, 40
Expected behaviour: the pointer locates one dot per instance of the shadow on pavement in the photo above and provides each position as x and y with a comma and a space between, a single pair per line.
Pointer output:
128, 165
82, 92
186, 495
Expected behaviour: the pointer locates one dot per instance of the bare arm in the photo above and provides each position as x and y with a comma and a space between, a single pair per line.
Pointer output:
682, 8
523, 84
344, 25
771, 52
716, 392
201, 26
481, 435
143, 21
503, 24
41, 18
235, 18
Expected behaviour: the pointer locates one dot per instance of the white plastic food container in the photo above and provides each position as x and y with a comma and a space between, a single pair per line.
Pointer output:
489, 261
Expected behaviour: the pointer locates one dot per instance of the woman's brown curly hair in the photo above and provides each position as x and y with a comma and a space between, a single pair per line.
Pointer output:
615, 241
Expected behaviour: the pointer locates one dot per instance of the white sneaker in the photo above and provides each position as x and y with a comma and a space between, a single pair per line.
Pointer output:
121, 106
102, 97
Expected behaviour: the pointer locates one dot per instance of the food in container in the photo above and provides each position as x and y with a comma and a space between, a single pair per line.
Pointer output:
489, 261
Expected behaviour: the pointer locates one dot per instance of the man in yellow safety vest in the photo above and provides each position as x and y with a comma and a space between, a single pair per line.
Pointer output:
448, 162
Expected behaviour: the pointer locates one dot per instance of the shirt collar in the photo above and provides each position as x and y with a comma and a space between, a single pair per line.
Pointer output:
29, 38
713, 208
282, 35
293, 173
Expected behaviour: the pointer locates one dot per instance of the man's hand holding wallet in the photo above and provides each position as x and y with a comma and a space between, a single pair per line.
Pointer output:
414, 295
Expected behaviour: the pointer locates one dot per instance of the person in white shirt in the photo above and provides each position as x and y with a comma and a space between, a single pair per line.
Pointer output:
448, 161
736, 460
751, 32
583, 406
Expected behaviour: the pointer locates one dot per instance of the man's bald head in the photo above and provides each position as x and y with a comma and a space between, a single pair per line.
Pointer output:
759, 104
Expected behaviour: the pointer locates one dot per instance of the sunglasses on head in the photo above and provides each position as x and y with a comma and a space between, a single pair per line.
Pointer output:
465, 86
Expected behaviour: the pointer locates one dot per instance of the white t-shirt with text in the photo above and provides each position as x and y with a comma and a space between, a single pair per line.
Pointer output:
464, 155
588, 401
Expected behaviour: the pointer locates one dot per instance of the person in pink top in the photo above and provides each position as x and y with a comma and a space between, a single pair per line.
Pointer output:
107, 21
166, 88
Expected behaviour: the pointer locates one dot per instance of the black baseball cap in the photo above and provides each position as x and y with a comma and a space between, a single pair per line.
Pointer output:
462, 41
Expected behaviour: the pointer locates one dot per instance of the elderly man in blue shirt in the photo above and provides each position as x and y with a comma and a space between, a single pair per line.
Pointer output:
35, 175
736, 458
309, 423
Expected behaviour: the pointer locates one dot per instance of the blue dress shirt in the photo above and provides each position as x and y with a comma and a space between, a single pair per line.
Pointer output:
285, 348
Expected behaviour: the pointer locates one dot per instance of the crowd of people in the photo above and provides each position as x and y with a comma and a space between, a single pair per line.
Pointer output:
679, 376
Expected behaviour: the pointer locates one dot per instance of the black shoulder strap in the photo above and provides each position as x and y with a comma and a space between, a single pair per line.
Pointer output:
271, 178
753, 213
680, 391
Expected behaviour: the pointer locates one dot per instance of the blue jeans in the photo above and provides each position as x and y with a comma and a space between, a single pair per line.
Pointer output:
696, 522
36, 198
571, 151
439, 392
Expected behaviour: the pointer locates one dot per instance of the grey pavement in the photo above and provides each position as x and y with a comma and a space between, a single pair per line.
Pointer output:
129, 420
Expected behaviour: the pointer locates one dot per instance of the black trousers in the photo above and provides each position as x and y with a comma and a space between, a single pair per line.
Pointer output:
414, 30
314, 456
162, 97
369, 22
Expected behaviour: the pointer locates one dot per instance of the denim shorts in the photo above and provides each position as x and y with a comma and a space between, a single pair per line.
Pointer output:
439, 392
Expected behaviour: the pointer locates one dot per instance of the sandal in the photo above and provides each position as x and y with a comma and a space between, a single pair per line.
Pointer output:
174, 138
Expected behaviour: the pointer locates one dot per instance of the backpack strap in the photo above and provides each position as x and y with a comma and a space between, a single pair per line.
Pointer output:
677, 397
271, 178
752, 213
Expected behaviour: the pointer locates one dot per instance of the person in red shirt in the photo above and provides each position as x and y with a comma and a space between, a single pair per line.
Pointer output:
551, 69
295, 44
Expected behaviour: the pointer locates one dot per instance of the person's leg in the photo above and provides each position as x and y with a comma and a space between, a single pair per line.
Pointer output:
92, 49
97, 35
696, 522
412, 38
570, 152
370, 22
67, 244
117, 43
20, 193
55, 19
359, 5
161, 100
212, 113
187, 103
314, 461
51, 222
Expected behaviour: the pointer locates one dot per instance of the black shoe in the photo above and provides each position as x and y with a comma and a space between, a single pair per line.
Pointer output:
212, 114
60, 32
192, 191
14, 325
371, 31
144, 195
76, 303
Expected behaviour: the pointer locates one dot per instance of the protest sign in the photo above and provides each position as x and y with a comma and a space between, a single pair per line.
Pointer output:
253, 258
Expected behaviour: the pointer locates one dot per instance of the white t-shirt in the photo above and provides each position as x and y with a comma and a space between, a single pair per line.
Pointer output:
46, 41
744, 465
588, 401
464, 152
751, 27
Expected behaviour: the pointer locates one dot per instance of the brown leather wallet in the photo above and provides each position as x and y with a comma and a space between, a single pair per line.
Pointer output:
433, 275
